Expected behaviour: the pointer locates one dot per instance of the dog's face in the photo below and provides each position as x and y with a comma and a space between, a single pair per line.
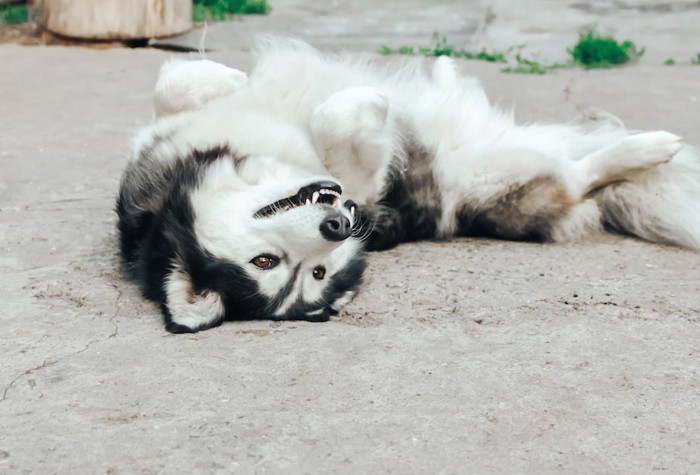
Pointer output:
249, 242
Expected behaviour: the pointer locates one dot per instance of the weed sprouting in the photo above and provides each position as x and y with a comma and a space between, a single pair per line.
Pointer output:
596, 51
530, 66
442, 48
591, 51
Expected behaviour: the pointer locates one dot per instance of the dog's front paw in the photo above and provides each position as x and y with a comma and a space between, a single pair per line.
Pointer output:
188, 85
351, 114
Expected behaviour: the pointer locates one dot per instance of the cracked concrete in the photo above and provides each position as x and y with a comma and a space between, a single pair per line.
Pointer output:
465, 356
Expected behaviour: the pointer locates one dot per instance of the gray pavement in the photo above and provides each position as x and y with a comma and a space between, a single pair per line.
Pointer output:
472, 356
545, 29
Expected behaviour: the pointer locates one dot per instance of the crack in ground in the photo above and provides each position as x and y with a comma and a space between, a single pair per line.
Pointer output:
117, 312
48, 364
45, 364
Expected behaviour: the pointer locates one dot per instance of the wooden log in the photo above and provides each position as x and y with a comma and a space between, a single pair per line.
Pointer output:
114, 19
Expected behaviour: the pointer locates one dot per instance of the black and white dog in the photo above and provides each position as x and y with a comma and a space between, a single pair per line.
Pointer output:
254, 197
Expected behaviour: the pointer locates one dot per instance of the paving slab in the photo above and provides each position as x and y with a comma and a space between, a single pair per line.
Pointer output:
359, 25
469, 356
543, 30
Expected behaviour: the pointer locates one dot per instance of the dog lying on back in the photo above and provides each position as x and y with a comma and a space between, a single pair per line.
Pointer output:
255, 197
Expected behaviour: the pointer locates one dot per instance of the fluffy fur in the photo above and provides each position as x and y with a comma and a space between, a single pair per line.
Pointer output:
229, 209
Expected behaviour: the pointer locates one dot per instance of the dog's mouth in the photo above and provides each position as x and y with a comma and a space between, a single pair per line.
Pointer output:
326, 192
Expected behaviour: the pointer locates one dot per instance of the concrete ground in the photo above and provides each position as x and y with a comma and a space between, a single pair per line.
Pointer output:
472, 356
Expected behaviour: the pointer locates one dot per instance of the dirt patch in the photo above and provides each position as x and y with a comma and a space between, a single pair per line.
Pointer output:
31, 34
23, 34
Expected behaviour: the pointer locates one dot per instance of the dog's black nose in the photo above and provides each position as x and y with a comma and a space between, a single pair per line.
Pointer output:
336, 228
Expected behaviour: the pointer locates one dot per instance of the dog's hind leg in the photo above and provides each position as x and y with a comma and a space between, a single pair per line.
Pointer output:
187, 85
626, 158
516, 194
354, 134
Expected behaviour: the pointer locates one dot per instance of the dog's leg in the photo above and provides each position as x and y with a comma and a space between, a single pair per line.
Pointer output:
626, 158
354, 134
516, 194
188, 85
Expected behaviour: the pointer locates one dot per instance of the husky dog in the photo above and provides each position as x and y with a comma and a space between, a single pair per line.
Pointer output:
255, 197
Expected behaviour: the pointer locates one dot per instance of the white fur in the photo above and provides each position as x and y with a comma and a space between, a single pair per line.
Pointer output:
187, 85
352, 130
224, 205
300, 115
187, 308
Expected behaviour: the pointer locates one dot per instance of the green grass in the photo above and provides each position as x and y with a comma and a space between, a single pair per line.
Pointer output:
530, 66
591, 51
695, 60
595, 51
218, 10
442, 48
13, 14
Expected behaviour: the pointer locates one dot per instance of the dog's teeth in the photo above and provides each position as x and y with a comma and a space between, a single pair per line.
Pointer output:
314, 197
308, 201
352, 211
323, 191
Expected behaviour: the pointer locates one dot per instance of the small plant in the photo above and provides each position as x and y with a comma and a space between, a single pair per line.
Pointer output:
695, 60
13, 14
530, 66
442, 48
594, 51
591, 51
217, 10
670, 62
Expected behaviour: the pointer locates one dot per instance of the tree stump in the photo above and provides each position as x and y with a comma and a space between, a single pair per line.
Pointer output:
114, 19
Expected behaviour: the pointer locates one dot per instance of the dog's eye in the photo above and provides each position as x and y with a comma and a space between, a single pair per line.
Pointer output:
319, 273
265, 261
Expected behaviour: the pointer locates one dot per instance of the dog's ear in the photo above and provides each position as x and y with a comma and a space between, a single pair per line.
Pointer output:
187, 310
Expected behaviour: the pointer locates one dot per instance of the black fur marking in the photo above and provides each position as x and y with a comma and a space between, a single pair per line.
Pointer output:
283, 293
346, 280
411, 207
204, 157
172, 240
156, 232
147, 183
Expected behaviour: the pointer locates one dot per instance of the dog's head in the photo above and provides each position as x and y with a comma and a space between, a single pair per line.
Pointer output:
236, 240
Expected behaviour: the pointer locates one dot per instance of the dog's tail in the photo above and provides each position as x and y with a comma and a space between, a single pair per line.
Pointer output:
661, 204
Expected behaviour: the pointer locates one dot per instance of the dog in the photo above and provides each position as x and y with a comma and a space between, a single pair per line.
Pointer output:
256, 197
